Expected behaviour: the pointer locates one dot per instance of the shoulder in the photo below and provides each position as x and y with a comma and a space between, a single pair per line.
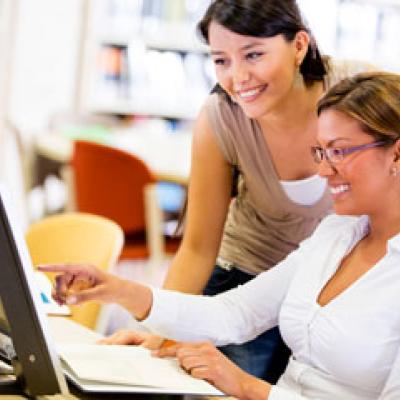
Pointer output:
223, 110
232, 128
338, 69
224, 119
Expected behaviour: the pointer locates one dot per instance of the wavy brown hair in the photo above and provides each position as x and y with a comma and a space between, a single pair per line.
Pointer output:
372, 98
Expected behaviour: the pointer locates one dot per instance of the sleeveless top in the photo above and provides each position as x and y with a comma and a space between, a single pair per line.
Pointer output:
263, 225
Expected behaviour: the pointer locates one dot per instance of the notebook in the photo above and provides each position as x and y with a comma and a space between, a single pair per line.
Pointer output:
120, 369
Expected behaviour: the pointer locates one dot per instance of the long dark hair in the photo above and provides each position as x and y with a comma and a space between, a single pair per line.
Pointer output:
261, 18
265, 18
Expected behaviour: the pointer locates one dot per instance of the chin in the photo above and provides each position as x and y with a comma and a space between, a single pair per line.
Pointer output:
253, 112
342, 209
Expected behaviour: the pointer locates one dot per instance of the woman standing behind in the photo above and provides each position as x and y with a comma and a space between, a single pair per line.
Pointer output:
261, 122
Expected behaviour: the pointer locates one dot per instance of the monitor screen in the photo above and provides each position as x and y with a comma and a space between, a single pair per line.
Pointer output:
35, 362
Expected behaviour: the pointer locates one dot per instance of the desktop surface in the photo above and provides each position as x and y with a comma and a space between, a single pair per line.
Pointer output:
14, 392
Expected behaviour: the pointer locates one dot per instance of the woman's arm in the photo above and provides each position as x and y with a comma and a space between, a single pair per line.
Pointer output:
235, 316
204, 361
77, 284
208, 202
232, 317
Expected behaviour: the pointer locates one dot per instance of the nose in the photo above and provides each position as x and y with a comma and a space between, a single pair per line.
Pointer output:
325, 168
240, 73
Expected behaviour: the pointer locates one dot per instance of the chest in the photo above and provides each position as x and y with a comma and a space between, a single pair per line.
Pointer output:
356, 264
291, 153
356, 336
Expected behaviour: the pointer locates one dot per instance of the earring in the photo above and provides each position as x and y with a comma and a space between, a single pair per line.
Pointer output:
299, 61
298, 80
394, 171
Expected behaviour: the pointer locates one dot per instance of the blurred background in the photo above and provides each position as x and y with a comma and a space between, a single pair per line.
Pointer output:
130, 75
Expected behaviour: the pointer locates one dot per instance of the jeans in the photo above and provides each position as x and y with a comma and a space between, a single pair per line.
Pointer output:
266, 356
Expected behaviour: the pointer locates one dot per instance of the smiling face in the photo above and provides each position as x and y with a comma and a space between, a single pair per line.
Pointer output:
257, 73
362, 182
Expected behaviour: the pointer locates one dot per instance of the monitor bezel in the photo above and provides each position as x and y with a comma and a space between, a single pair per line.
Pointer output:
37, 366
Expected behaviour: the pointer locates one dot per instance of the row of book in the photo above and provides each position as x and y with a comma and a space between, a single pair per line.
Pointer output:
177, 80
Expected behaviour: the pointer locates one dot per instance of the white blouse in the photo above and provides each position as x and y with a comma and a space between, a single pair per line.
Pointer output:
347, 349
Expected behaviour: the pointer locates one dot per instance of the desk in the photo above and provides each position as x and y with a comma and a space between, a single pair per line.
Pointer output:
14, 394
167, 154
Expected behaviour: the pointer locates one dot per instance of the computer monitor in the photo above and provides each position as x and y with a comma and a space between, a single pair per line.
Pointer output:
35, 362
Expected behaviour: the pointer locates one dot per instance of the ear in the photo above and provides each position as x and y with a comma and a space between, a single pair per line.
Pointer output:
301, 42
396, 152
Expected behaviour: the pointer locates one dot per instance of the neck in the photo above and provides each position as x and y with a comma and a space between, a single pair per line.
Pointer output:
384, 228
296, 111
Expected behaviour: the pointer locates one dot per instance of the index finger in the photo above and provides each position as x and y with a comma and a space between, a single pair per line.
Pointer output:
169, 351
71, 268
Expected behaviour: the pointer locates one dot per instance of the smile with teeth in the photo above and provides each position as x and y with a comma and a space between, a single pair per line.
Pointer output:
339, 189
246, 94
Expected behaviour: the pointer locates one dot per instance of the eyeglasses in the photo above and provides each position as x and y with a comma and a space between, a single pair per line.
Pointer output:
336, 155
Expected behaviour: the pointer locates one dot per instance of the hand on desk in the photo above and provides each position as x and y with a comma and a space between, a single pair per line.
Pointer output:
130, 337
76, 284
205, 361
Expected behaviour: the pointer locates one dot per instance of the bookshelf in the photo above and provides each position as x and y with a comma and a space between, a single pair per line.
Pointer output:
143, 57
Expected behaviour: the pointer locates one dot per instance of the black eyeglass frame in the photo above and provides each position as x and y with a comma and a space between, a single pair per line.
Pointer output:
335, 155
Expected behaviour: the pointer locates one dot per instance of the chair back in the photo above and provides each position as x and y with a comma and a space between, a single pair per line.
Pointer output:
76, 238
110, 182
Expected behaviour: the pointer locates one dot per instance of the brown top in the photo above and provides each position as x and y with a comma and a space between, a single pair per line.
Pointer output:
263, 225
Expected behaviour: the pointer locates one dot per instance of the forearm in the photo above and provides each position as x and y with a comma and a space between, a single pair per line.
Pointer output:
136, 298
233, 317
255, 389
189, 271
208, 203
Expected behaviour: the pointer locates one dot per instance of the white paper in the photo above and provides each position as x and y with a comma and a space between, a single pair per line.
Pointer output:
130, 365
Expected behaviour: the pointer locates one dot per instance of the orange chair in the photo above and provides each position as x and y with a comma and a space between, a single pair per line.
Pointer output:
117, 185
71, 238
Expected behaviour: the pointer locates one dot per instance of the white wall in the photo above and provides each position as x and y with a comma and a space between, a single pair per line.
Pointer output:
39, 42
357, 29
46, 60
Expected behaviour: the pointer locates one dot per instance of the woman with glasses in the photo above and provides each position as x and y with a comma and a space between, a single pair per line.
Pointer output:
336, 298
258, 124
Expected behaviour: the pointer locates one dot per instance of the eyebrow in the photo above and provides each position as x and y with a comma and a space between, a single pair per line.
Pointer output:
245, 47
333, 141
